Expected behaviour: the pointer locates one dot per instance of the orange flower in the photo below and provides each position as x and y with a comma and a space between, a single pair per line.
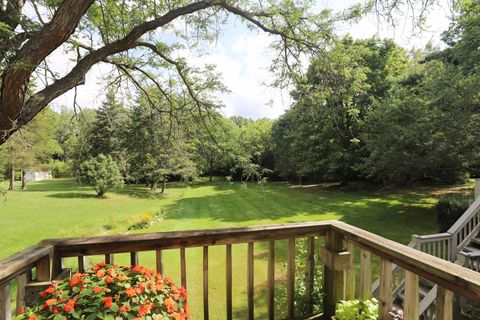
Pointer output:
70, 305
98, 266
49, 302
144, 309
107, 302
130, 292
32, 317
100, 273
170, 304
124, 308
97, 290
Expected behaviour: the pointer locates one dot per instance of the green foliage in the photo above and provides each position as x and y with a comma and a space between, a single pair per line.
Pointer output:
101, 173
357, 310
450, 209
61, 169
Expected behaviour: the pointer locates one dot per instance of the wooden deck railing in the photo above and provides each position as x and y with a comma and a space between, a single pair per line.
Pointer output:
337, 254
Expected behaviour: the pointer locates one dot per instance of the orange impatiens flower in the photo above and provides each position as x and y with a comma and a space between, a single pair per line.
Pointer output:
107, 302
50, 302
100, 273
170, 304
130, 292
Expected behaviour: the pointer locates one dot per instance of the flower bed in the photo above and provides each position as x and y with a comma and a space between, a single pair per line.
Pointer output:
112, 292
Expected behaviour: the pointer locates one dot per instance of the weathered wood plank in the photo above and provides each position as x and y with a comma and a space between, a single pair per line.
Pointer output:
444, 273
271, 279
228, 281
44, 269
22, 281
159, 261
18, 263
5, 304
205, 283
350, 274
250, 284
365, 275
411, 306
337, 261
70, 247
291, 279
444, 304
386, 289
183, 268
333, 281
310, 270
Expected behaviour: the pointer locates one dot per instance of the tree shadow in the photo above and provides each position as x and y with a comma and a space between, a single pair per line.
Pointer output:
73, 195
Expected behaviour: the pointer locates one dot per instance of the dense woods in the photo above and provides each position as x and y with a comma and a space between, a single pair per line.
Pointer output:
365, 109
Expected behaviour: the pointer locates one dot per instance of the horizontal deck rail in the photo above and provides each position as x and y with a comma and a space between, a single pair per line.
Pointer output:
337, 255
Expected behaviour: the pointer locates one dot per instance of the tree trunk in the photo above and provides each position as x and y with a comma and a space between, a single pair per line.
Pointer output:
24, 182
211, 175
11, 186
300, 180
164, 184
153, 186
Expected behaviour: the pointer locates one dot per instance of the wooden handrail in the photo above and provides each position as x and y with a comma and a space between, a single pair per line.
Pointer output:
71, 247
338, 250
444, 273
20, 262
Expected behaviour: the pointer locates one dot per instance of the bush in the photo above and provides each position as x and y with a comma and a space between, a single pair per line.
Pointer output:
450, 209
101, 173
357, 310
112, 292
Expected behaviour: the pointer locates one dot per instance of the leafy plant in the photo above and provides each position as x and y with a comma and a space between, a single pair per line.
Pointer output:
101, 173
450, 209
357, 309
112, 292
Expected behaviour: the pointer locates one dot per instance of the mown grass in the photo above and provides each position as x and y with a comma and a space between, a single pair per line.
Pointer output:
62, 208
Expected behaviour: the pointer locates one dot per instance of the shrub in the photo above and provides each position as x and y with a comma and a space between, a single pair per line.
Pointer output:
112, 292
101, 173
357, 310
450, 209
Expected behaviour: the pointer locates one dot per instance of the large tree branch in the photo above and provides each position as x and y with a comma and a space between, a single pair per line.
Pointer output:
16, 76
77, 75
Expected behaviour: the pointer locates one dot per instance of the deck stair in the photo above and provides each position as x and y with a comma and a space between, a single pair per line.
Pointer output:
460, 245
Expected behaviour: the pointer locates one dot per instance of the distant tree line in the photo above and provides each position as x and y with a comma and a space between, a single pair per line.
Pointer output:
365, 109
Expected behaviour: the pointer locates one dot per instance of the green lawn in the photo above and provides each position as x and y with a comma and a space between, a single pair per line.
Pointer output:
61, 208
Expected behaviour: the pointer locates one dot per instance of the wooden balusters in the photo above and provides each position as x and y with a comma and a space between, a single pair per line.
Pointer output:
228, 280
205, 283
411, 296
444, 304
365, 274
271, 279
350, 274
109, 259
310, 270
22, 281
134, 258
82, 264
250, 285
5, 306
183, 268
159, 261
386, 290
291, 279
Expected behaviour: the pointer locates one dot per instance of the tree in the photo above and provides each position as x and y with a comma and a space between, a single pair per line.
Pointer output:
319, 135
101, 173
107, 134
158, 147
32, 146
124, 35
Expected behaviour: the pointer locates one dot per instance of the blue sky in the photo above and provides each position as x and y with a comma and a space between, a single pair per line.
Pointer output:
243, 58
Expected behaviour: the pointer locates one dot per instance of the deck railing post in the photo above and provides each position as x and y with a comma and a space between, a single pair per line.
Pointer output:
333, 275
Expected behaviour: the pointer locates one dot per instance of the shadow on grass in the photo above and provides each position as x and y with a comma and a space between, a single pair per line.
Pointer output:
73, 195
